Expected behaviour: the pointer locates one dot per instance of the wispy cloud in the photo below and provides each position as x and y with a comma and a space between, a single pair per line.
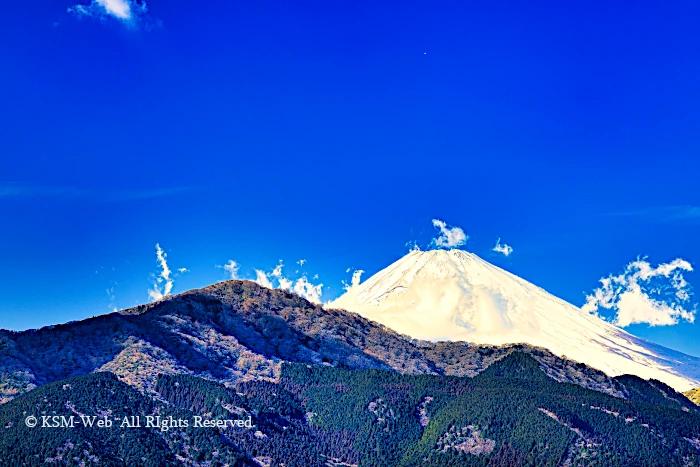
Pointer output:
412, 246
9, 190
140, 194
277, 272
262, 279
18, 190
503, 248
663, 213
283, 282
354, 281
231, 267
309, 291
301, 286
163, 284
132, 13
658, 295
112, 297
301, 262
120, 9
450, 237
276, 279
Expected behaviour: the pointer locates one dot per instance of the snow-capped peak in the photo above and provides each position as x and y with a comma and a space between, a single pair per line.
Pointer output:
455, 295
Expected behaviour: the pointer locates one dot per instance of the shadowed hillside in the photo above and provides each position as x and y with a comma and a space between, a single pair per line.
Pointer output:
238, 331
509, 415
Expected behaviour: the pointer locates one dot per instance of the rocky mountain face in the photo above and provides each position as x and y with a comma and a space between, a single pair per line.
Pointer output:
238, 331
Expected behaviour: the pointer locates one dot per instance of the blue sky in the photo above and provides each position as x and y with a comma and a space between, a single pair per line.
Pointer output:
336, 133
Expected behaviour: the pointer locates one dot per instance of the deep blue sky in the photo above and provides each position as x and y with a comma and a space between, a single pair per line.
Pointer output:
335, 132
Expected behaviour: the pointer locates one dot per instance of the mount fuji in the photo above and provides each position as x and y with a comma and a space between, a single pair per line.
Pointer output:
453, 295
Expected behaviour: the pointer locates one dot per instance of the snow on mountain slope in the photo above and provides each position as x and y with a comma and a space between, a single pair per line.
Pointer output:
455, 295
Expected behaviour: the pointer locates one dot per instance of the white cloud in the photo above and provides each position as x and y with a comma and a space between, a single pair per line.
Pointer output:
301, 262
119, 8
413, 246
277, 272
315, 276
112, 297
183, 270
126, 11
283, 282
262, 280
309, 291
450, 237
165, 271
302, 286
355, 281
658, 295
164, 283
232, 268
504, 249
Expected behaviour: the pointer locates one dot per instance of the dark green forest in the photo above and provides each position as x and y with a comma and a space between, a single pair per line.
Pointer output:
511, 414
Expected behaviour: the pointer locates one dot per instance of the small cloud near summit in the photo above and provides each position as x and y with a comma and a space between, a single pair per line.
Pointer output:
504, 249
354, 281
412, 245
450, 236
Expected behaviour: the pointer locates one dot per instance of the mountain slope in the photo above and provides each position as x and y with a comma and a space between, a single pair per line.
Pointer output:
237, 331
103, 396
455, 295
693, 395
511, 415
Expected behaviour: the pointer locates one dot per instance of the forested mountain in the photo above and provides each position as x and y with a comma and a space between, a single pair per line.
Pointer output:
321, 388
509, 415
237, 330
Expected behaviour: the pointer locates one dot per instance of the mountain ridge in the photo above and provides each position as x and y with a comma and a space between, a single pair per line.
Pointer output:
237, 330
324, 388
454, 295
